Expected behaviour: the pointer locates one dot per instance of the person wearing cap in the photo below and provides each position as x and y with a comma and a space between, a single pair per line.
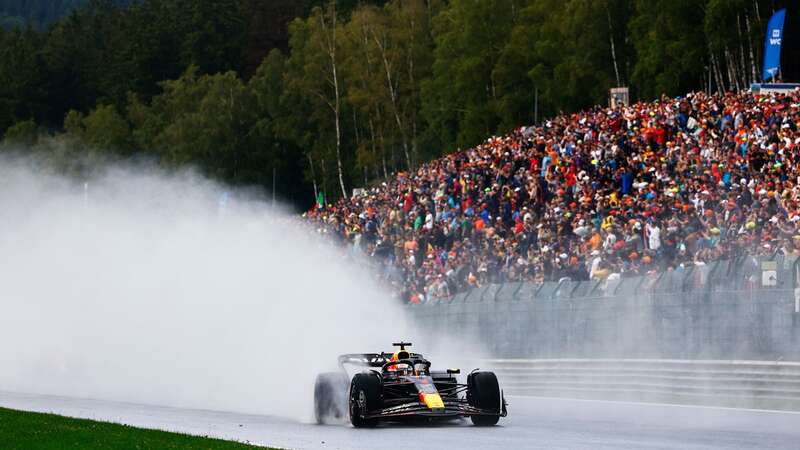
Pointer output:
710, 196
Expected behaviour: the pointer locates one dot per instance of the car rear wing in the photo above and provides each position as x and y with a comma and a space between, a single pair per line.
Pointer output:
375, 360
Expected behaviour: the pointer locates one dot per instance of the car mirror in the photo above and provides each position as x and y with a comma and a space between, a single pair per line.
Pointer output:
453, 371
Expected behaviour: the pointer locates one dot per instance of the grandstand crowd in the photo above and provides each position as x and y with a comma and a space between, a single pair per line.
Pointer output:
609, 192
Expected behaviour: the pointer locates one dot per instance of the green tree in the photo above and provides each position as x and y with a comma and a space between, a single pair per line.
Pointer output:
73, 61
201, 120
215, 35
388, 52
363, 71
272, 151
105, 128
734, 37
22, 134
459, 99
670, 46
23, 79
571, 52
314, 74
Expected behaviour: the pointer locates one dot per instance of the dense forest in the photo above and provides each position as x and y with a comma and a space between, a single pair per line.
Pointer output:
331, 95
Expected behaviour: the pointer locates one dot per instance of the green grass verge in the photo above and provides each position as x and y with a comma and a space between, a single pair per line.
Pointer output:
26, 430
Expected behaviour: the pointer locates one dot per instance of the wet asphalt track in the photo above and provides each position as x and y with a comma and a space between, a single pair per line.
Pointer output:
534, 423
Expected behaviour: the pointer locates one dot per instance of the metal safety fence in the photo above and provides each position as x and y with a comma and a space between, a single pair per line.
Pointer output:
747, 308
750, 384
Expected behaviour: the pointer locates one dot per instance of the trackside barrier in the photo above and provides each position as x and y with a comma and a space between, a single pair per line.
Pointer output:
748, 384
746, 308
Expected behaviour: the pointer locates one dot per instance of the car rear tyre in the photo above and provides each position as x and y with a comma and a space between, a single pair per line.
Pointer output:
365, 396
330, 396
484, 393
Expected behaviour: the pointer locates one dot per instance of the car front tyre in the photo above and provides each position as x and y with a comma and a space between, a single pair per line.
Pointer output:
484, 394
364, 397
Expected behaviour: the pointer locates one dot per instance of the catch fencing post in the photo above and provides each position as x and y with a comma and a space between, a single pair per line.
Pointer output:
516, 291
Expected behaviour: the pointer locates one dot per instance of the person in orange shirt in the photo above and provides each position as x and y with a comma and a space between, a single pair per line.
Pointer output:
595, 241
741, 135
479, 225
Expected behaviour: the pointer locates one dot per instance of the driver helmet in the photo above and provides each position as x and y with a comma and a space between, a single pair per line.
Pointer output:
396, 356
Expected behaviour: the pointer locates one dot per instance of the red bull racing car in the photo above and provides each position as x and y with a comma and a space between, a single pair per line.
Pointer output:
400, 386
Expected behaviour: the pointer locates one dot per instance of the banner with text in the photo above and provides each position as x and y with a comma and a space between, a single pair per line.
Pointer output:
772, 45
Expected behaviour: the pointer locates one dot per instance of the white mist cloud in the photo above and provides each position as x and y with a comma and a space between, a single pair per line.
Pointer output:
146, 290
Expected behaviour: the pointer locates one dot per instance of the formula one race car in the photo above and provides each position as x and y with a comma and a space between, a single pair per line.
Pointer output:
400, 386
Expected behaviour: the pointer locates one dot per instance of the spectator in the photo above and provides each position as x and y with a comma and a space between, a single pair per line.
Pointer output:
601, 194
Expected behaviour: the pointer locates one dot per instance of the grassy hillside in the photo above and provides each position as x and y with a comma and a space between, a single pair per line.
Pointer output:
25, 430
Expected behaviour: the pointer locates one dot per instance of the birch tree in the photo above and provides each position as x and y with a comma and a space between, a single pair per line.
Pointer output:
365, 93
314, 72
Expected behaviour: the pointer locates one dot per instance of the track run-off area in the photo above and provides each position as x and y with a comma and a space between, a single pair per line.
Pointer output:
533, 423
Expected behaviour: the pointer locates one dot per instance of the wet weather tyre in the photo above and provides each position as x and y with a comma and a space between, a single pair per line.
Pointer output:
365, 396
330, 396
484, 393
